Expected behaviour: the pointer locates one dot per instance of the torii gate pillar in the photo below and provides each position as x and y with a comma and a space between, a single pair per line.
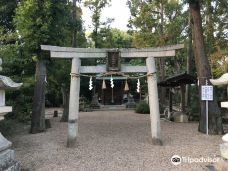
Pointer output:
153, 101
74, 103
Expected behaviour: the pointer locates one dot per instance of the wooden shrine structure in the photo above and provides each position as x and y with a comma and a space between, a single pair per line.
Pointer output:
179, 80
113, 65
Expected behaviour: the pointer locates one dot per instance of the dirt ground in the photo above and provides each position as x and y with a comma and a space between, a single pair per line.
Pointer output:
114, 141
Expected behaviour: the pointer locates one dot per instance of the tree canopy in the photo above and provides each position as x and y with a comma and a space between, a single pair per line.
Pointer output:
42, 22
27, 24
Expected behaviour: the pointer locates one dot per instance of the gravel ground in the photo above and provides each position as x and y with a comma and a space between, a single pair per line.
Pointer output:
114, 141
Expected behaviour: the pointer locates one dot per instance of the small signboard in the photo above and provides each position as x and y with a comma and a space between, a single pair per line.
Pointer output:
113, 60
207, 93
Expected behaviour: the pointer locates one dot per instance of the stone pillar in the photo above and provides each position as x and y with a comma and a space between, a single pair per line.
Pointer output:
74, 103
2, 97
153, 101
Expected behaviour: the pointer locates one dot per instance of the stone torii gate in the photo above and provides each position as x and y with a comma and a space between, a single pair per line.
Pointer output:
113, 64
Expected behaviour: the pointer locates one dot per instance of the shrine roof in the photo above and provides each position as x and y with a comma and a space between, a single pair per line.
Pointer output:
8, 83
177, 80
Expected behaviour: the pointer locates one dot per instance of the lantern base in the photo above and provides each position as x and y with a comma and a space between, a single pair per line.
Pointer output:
7, 157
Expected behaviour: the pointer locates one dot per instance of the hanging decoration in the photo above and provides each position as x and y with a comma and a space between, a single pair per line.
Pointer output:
126, 87
115, 73
111, 82
103, 84
138, 86
90, 83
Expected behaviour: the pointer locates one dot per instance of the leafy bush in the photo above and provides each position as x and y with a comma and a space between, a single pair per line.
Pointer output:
21, 102
142, 107
6, 127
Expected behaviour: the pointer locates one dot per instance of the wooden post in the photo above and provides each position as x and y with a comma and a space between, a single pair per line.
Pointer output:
74, 103
182, 98
170, 100
153, 101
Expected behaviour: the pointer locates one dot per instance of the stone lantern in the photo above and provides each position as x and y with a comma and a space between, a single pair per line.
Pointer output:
7, 158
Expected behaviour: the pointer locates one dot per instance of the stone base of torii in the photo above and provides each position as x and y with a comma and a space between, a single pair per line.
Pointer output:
76, 54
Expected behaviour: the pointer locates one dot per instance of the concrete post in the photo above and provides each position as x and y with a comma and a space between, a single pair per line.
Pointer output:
153, 101
74, 103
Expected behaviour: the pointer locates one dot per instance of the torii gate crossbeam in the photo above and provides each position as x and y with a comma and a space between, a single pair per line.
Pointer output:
76, 54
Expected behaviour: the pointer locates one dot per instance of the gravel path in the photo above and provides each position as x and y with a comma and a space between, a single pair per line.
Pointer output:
114, 141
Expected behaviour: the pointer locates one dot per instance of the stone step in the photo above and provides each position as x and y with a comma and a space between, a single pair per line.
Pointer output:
112, 108
116, 106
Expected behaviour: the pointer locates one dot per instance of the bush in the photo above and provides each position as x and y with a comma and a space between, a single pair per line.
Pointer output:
21, 102
142, 107
7, 127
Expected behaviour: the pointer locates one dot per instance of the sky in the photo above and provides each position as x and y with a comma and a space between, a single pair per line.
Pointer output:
118, 10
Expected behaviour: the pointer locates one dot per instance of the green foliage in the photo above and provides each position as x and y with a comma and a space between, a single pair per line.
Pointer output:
142, 107
48, 22
14, 64
156, 23
159, 23
96, 7
152, 23
7, 11
113, 38
42, 22
191, 1
58, 78
21, 100
215, 28
7, 127
37, 22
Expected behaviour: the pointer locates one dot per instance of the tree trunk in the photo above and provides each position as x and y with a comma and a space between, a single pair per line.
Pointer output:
209, 27
162, 60
65, 91
74, 18
204, 73
38, 109
65, 94
162, 78
190, 62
